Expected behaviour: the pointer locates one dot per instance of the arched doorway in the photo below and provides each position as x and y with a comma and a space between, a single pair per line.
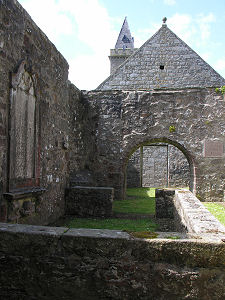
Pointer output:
159, 162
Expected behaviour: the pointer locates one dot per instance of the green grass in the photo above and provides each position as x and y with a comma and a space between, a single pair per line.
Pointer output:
138, 201
217, 209
113, 224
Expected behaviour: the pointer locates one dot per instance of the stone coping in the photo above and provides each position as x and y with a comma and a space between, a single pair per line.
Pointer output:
174, 237
188, 250
90, 188
24, 193
196, 217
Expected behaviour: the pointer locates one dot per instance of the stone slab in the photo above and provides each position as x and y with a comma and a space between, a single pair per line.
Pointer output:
213, 148
32, 229
97, 233
89, 201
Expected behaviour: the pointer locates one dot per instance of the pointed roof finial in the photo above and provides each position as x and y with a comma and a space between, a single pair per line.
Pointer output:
164, 20
125, 39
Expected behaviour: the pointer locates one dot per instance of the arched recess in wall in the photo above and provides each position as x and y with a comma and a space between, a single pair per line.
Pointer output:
23, 131
139, 158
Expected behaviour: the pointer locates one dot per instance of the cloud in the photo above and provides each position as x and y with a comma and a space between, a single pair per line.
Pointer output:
88, 71
220, 64
204, 22
49, 20
93, 22
85, 21
89, 27
192, 29
169, 2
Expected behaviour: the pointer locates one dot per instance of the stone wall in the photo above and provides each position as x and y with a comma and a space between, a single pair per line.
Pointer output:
126, 120
179, 170
118, 56
39, 262
88, 137
134, 170
163, 61
61, 138
86, 201
158, 166
155, 166
188, 214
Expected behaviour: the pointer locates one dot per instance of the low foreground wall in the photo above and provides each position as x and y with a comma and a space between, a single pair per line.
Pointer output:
38, 262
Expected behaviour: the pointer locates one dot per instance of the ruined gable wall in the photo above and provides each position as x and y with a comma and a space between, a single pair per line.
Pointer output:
181, 67
57, 101
130, 119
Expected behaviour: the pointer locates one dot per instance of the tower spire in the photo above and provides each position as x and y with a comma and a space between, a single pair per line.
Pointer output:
125, 40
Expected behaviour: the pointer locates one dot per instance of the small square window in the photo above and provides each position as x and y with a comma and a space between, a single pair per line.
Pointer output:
161, 67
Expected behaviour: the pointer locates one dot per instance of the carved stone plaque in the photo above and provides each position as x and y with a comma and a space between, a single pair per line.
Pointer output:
213, 148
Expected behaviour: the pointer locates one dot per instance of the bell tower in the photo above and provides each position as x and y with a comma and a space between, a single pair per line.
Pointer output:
123, 49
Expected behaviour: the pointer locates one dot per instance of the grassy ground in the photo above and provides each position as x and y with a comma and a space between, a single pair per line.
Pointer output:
138, 201
136, 225
217, 209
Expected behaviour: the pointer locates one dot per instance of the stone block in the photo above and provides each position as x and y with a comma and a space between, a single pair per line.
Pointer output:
89, 201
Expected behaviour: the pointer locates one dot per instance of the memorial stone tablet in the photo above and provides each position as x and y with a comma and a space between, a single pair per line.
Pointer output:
213, 148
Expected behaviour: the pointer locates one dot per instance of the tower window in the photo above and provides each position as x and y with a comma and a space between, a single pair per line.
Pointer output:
125, 39
161, 67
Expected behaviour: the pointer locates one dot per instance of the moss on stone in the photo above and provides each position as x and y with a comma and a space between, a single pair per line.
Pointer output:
172, 128
144, 234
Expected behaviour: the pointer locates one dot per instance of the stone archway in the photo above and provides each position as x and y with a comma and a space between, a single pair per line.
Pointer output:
160, 141
191, 120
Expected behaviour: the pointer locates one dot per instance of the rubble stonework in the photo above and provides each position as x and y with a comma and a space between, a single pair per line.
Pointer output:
90, 136
164, 61
127, 120
62, 263
159, 165
39, 199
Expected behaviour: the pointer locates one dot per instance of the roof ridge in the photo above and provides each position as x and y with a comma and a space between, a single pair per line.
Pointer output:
193, 51
120, 66
203, 72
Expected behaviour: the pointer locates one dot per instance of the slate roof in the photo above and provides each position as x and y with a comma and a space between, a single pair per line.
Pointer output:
163, 61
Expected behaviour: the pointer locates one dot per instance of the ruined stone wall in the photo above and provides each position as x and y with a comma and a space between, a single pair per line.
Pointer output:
107, 129
58, 132
134, 170
83, 149
38, 262
155, 166
158, 166
179, 170
127, 120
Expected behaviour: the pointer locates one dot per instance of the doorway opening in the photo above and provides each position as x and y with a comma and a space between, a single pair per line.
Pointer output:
159, 165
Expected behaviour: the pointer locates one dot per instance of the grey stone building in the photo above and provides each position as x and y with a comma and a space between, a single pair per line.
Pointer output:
53, 136
123, 49
164, 61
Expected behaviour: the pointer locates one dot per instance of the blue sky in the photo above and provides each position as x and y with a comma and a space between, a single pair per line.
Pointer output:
85, 30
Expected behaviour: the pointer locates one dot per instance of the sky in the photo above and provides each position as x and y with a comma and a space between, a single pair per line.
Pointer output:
84, 31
